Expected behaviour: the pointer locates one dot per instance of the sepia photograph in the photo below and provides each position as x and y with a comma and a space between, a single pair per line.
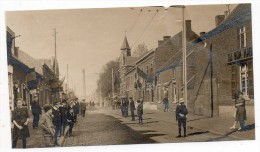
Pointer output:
130, 75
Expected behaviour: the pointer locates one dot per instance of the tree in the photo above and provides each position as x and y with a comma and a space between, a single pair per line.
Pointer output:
140, 50
105, 79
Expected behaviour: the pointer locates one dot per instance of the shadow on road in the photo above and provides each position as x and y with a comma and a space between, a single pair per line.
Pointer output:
198, 133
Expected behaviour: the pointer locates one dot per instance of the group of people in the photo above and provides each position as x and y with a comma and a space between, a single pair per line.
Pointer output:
52, 122
126, 104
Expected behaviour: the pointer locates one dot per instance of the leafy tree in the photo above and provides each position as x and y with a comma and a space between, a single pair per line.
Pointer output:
105, 79
140, 50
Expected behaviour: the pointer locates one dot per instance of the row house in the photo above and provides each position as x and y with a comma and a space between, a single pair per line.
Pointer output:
228, 47
27, 76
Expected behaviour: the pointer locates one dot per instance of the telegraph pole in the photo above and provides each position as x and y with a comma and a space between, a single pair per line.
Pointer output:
84, 84
184, 56
67, 87
113, 92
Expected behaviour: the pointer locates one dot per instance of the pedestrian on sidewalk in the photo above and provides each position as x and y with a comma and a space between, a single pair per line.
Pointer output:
20, 118
71, 120
132, 108
56, 120
47, 126
63, 113
240, 115
181, 116
140, 110
166, 103
76, 109
126, 106
83, 107
36, 110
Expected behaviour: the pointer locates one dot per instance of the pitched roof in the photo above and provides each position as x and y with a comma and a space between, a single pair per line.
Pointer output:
30, 61
130, 61
125, 45
238, 16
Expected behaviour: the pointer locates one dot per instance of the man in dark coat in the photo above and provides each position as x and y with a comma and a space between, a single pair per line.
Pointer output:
63, 113
83, 107
181, 116
76, 109
36, 110
132, 108
166, 103
56, 120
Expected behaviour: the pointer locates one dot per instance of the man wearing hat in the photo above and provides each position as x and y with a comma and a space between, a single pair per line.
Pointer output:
132, 108
181, 116
36, 110
83, 107
56, 120
76, 109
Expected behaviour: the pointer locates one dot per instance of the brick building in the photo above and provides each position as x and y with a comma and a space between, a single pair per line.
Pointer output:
232, 63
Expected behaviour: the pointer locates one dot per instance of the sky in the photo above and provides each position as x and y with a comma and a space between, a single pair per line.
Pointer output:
89, 38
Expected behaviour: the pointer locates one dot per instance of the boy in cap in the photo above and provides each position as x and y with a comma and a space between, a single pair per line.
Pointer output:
36, 110
181, 116
47, 125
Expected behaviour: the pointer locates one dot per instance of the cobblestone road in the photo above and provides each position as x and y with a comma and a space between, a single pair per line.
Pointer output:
99, 128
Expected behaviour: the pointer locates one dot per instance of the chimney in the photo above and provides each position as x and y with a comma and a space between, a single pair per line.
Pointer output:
160, 42
188, 29
202, 33
219, 19
165, 38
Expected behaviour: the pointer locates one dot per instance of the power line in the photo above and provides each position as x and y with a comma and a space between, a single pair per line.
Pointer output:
136, 20
146, 27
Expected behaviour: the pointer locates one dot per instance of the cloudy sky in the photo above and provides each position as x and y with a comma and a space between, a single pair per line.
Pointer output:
89, 38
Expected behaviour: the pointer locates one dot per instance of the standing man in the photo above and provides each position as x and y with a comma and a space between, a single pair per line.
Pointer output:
56, 120
127, 106
166, 103
76, 109
132, 108
181, 116
36, 111
83, 107
140, 110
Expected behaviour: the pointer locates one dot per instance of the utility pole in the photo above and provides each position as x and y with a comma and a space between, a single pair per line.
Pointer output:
67, 87
113, 92
184, 56
211, 81
84, 84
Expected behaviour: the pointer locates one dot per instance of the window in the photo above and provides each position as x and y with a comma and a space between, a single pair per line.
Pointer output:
147, 67
244, 79
151, 68
242, 36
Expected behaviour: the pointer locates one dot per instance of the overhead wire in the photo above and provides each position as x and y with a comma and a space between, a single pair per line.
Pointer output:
141, 10
146, 27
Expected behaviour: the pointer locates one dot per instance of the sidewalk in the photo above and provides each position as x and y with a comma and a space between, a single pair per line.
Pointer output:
216, 125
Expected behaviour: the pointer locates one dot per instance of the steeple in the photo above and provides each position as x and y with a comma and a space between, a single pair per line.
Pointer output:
126, 48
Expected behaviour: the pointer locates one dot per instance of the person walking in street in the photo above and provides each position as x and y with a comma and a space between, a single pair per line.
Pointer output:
132, 108
63, 113
47, 126
83, 107
126, 106
181, 116
56, 120
140, 111
20, 118
76, 109
166, 103
71, 120
36, 111
240, 115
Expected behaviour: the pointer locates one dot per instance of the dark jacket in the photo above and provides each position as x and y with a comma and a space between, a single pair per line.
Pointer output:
70, 117
56, 117
181, 109
132, 105
63, 112
36, 108
76, 108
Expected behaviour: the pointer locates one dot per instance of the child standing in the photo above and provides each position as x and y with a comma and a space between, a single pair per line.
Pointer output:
140, 111
70, 120
181, 116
